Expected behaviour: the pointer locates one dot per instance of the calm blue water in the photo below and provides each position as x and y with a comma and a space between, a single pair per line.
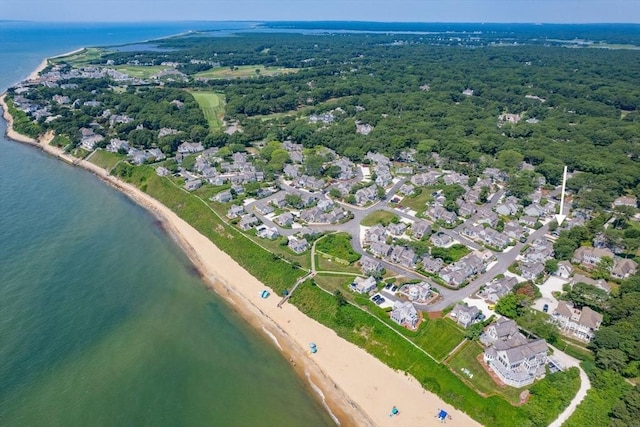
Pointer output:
102, 320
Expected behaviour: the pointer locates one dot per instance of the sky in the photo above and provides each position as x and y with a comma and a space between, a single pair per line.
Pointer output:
528, 11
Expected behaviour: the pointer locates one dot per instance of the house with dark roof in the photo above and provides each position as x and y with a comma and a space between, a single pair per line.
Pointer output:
590, 257
623, 268
370, 266
581, 324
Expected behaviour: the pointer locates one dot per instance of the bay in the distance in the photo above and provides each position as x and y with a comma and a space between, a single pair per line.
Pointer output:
102, 319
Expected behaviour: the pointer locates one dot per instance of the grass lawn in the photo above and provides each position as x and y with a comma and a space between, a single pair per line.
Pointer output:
140, 71
438, 337
81, 58
105, 159
378, 217
336, 282
451, 254
327, 263
212, 105
418, 202
244, 72
465, 358
338, 246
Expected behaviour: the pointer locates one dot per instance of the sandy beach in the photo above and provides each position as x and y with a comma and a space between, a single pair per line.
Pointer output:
357, 388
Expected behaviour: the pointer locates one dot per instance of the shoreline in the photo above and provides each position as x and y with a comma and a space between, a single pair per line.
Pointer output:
353, 386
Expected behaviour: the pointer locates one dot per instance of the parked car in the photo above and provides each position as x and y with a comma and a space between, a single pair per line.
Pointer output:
545, 308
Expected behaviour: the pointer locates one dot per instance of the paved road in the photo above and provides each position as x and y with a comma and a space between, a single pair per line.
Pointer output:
449, 296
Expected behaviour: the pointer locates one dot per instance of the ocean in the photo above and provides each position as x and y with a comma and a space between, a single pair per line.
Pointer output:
103, 320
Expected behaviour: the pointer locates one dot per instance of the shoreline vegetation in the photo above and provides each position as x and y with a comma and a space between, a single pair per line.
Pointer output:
354, 386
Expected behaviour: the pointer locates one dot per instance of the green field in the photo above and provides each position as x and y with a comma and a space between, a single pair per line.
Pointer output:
338, 246
244, 72
106, 159
378, 217
140, 71
438, 337
418, 202
80, 58
212, 105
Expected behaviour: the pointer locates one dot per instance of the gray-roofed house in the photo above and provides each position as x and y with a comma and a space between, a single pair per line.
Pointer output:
465, 315
440, 239
298, 245
432, 265
514, 359
531, 271
223, 196
590, 257
565, 270
623, 268
193, 184
405, 314
397, 229
364, 286
497, 288
380, 249
248, 221
420, 229
284, 219
580, 323
235, 211
370, 266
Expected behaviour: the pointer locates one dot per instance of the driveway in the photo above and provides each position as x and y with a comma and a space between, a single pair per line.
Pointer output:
553, 284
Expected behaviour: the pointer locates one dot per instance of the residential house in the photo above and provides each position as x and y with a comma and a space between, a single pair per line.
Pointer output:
192, 184
377, 233
284, 219
509, 208
370, 266
461, 271
497, 288
268, 233
531, 271
626, 201
440, 239
405, 314
565, 270
514, 230
590, 257
235, 211
529, 221
419, 229
471, 231
407, 189
440, 213
494, 238
580, 323
419, 292
485, 216
535, 210
432, 265
380, 249
162, 171
465, 208
427, 178
623, 268
247, 222
291, 171
263, 209
190, 147
366, 195
397, 229
517, 362
364, 286
298, 245
223, 196
465, 315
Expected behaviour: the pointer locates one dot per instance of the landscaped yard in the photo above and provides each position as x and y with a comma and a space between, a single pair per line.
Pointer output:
212, 105
477, 376
438, 337
105, 159
243, 72
378, 217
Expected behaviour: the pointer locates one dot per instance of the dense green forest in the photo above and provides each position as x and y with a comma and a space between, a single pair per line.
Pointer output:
577, 106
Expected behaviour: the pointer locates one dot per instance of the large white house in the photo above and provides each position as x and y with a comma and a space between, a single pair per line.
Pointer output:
580, 323
405, 314
514, 359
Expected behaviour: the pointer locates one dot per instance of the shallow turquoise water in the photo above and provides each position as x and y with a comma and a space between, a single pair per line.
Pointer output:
102, 319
